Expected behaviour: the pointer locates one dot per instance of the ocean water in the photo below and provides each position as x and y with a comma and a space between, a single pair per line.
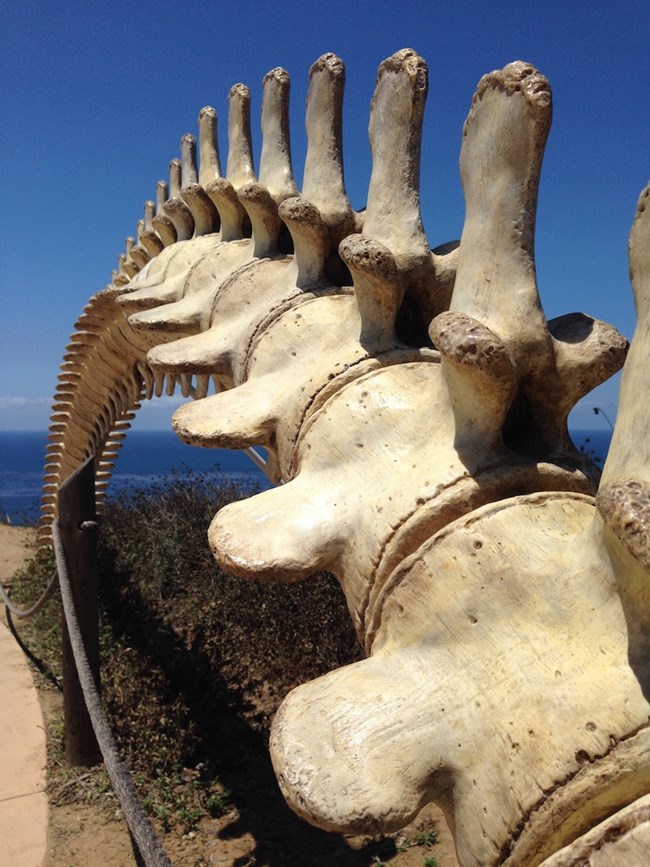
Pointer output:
146, 457
151, 456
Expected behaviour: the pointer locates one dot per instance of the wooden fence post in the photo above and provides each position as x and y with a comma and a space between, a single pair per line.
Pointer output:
76, 506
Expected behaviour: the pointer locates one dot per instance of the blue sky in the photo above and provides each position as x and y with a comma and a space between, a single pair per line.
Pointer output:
96, 97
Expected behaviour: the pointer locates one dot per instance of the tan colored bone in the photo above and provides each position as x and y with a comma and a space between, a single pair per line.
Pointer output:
149, 238
323, 183
629, 454
510, 666
161, 222
251, 291
496, 282
106, 374
165, 280
348, 331
193, 289
326, 517
300, 331
239, 170
202, 209
276, 173
175, 208
393, 212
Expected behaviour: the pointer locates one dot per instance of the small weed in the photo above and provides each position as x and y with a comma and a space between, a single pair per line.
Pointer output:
426, 839
430, 862
217, 804
190, 817
164, 816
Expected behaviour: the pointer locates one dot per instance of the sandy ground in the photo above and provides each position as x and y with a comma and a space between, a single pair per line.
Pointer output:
23, 798
15, 546
95, 832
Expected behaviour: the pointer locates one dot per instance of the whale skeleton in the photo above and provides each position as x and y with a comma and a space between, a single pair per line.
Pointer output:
413, 402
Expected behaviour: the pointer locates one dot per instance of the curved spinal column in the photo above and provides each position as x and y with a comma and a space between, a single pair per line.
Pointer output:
103, 378
194, 294
399, 480
231, 312
413, 463
105, 374
299, 372
287, 359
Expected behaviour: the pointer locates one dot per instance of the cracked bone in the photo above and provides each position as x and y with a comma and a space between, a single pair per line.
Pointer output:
330, 516
509, 674
316, 340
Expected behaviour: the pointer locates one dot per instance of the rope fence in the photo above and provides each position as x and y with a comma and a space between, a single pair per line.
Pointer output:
23, 613
148, 849
140, 827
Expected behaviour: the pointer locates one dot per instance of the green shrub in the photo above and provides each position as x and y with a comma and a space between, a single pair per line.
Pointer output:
194, 661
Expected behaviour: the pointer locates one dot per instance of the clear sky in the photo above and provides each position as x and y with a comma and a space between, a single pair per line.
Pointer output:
96, 96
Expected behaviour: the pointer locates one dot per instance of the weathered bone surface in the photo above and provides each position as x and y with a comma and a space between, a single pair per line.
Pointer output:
414, 402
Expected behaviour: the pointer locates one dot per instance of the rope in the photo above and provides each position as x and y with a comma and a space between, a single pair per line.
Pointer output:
148, 843
35, 660
29, 612
49, 590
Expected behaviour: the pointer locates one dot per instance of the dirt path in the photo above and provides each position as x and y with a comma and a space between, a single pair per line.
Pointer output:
87, 827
